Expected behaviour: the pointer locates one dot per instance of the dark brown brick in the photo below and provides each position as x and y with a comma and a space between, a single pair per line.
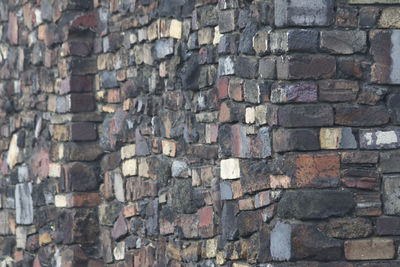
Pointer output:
305, 115
77, 84
306, 67
82, 102
361, 115
83, 131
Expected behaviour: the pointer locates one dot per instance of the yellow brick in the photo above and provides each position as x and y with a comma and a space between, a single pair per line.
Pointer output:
128, 151
175, 30
330, 137
129, 167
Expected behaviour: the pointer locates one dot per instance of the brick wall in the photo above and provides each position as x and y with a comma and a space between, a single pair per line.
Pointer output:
199, 133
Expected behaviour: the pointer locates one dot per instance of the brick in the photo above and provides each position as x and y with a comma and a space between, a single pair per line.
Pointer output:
300, 92
371, 95
309, 243
389, 18
246, 38
316, 170
246, 67
267, 68
175, 30
368, 16
230, 169
376, 139
226, 21
346, 17
76, 84
83, 66
356, 2
347, 228
262, 199
130, 210
361, 178
294, 41
129, 167
206, 36
305, 115
230, 112
81, 102
223, 84
279, 181
338, 90
295, 140
169, 148
391, 194
306, 67
12, 33
344, 42
394, 109
301, 241
80, 178
59, 132
113, 96
120, 228
83, 200
388, 162
235, 90
252, 91
369, 249
82, 151
388, 226
349, 68
226, 66
138, 188
337, 138
310, 13
228, 44
206, 222
152, 31
261, 42
83, 131
128, 151
361, 115
384, 48
5, 226
164, 48
24, 203
240, 142
314, 204
360, 157
368, 204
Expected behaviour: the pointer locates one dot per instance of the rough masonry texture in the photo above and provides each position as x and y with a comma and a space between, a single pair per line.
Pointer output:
201, 133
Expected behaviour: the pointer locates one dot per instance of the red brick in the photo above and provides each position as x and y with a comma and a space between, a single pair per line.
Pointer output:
113, 96
317, 170
88, 20
83, 200
40, 163
206, 222
131, 210
223, 87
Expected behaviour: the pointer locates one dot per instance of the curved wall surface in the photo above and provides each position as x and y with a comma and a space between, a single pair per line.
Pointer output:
200, 133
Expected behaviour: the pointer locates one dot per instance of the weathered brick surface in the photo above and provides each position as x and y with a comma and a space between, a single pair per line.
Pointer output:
199, 133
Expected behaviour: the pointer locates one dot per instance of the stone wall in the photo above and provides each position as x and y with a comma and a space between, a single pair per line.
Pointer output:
199, 133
